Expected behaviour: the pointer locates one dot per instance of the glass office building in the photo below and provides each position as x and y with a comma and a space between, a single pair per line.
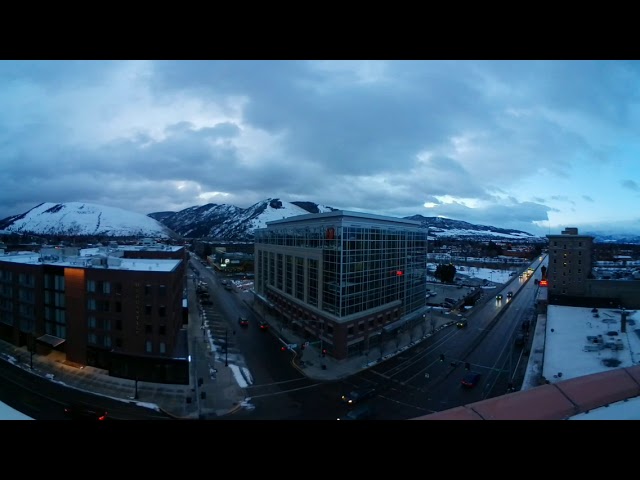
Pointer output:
342, 278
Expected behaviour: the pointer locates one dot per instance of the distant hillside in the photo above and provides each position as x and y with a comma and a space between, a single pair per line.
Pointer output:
233, 223
446, 227
85, 219
229, 222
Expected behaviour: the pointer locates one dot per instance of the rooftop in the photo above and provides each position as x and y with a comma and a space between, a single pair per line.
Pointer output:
580, 341
88, 261
356, 216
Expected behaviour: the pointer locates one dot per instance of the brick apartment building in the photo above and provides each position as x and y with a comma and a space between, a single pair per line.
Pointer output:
111, 308
571, 280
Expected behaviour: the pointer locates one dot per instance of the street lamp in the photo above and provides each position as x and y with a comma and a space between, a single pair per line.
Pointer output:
226, 348
31, 345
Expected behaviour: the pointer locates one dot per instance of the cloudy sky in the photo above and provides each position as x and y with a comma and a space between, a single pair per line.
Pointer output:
531, 145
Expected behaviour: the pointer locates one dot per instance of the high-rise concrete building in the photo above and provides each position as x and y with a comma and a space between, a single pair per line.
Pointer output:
344, 280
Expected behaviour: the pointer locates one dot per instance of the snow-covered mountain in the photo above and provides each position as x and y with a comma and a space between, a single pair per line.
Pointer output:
85, 219
449, 228
233, 223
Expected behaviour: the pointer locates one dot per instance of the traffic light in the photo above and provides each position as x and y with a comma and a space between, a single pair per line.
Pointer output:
467, 366
442, 357
324, 352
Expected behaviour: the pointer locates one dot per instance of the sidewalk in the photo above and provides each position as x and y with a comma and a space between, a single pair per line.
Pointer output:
312, 362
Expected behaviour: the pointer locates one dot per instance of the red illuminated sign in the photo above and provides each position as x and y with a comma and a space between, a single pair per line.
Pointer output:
543, 283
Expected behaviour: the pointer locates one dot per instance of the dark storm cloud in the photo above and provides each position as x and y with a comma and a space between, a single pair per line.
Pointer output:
385, 137
355, 128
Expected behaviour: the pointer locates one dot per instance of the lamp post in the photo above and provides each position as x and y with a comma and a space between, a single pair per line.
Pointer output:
226, 347
31, 345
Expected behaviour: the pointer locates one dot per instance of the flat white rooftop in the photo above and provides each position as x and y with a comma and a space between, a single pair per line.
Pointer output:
115, 263
579, 341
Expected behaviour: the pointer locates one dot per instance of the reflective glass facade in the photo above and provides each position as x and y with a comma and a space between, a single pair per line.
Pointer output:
343, 266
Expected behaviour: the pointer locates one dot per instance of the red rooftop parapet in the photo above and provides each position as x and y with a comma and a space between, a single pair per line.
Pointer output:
599, 389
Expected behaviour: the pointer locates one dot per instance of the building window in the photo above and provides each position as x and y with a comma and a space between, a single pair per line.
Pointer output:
162, 290
162, 311
118, 306
106, 288
555, 244
107, 324
148, 346
92, 339
92, 322
107, 341
147, 309
371, 323
330, 329
102, 305
59, 299
350, 330
163, 347
162, 329
148, 329
361, 327
91, 304
91, 286
118, 342
579, 244
119, 325
117, 288
147, 290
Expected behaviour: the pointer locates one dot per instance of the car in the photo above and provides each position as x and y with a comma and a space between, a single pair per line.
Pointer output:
461, 323
520, 339
509, 294
263, 325
206, 302
470, 380
362, 412
82, 412
358, 395
499, 296
243, 321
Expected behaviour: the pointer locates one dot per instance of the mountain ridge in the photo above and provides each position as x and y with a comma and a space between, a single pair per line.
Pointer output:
229, 222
